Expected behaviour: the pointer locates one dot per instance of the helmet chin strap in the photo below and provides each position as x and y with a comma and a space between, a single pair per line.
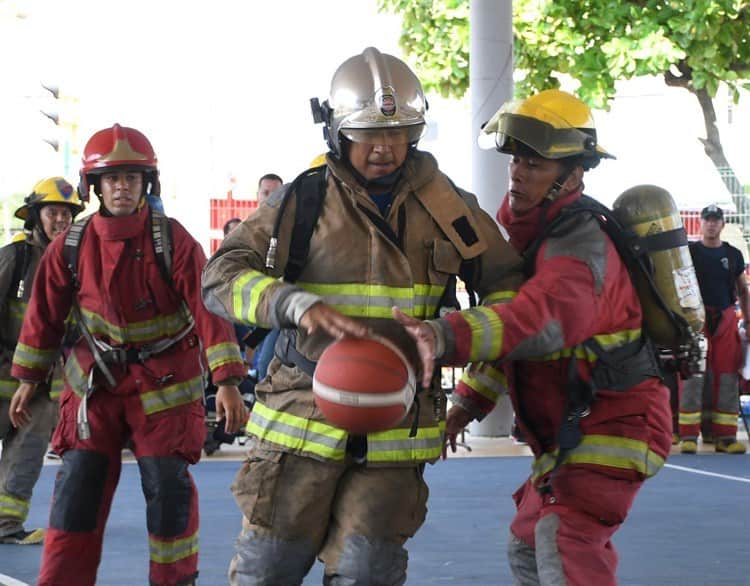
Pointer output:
556, 188
553, 193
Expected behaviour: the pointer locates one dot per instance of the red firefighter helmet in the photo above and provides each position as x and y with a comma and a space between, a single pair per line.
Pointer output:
119, 146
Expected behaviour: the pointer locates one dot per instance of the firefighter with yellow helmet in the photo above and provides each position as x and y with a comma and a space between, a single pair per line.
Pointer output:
47, 212
583, 380
392, 229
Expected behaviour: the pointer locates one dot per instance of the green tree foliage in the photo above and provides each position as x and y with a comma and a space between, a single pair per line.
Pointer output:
692, 44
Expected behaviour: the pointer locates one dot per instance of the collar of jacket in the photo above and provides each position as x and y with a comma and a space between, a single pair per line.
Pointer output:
525, 228
121, 227
418, 169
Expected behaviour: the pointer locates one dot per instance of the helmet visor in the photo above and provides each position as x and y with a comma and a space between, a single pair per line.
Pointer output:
396, 135
541, 137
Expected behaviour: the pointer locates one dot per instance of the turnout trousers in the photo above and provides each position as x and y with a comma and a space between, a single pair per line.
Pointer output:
22, 458
164, 444
565, 539
720, 381
354, 518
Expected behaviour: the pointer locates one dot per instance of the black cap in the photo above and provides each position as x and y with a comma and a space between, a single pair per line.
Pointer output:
712, 211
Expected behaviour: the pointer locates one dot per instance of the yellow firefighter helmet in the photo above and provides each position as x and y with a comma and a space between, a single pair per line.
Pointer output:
552, 123
51, 190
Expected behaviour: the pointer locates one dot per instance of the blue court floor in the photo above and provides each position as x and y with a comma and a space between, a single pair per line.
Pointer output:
690, 526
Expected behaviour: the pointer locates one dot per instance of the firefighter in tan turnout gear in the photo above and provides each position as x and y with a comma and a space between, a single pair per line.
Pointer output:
392, 230
47, 212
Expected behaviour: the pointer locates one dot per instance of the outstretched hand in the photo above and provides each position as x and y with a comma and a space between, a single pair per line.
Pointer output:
322, 316
425, 340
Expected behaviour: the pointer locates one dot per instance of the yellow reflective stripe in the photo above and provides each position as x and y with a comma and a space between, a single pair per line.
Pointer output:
13, 507
8, 387
499, 297
169, 552
220, 354
77, 379
16, 311
603, 450
485, 380
370, 300
145, 331
607, 342
395, 445
172, 396
58, 384
35, 358
692, 418
486, 333
724, 418
246, 291
297, 433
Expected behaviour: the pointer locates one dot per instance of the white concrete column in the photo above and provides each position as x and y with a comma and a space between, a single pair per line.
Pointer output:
490, 85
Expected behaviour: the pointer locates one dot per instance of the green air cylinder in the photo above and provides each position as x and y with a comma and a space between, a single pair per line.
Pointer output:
650, 212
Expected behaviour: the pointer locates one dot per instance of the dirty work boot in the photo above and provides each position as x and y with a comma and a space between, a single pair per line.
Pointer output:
688, 446
730, 446
24, 537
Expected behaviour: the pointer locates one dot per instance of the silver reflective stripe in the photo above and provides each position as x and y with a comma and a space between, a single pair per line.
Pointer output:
169, 552
297, 432
173, 395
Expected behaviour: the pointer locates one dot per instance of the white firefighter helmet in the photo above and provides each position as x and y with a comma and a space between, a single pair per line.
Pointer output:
374, 98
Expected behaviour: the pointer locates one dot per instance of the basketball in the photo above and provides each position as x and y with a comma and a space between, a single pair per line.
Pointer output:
364, 385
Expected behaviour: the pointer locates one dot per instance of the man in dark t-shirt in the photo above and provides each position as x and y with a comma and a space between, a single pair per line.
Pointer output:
720, 268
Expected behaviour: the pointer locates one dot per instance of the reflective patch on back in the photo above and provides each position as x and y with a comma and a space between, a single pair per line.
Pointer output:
584, 240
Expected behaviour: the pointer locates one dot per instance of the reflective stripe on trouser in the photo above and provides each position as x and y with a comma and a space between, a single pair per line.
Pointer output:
329, 442
87, 479
22, 458
721, 383
568, 543
356, 519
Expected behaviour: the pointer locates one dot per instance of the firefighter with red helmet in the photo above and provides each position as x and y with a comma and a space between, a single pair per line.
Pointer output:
47, 212
583, 380
136, 373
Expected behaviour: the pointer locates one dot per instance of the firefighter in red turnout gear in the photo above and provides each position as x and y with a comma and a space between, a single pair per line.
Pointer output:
136, 372
577, 312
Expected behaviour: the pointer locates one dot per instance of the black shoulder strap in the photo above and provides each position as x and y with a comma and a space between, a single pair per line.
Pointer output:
161, 232
309, 189
23, 257
310, 193
633, 250
72, 246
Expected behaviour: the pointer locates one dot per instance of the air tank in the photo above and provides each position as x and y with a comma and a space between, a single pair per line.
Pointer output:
650, 212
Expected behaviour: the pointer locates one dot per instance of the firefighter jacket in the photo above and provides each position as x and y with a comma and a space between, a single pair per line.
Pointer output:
15, 290
126, 303
579, 290
362, 270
